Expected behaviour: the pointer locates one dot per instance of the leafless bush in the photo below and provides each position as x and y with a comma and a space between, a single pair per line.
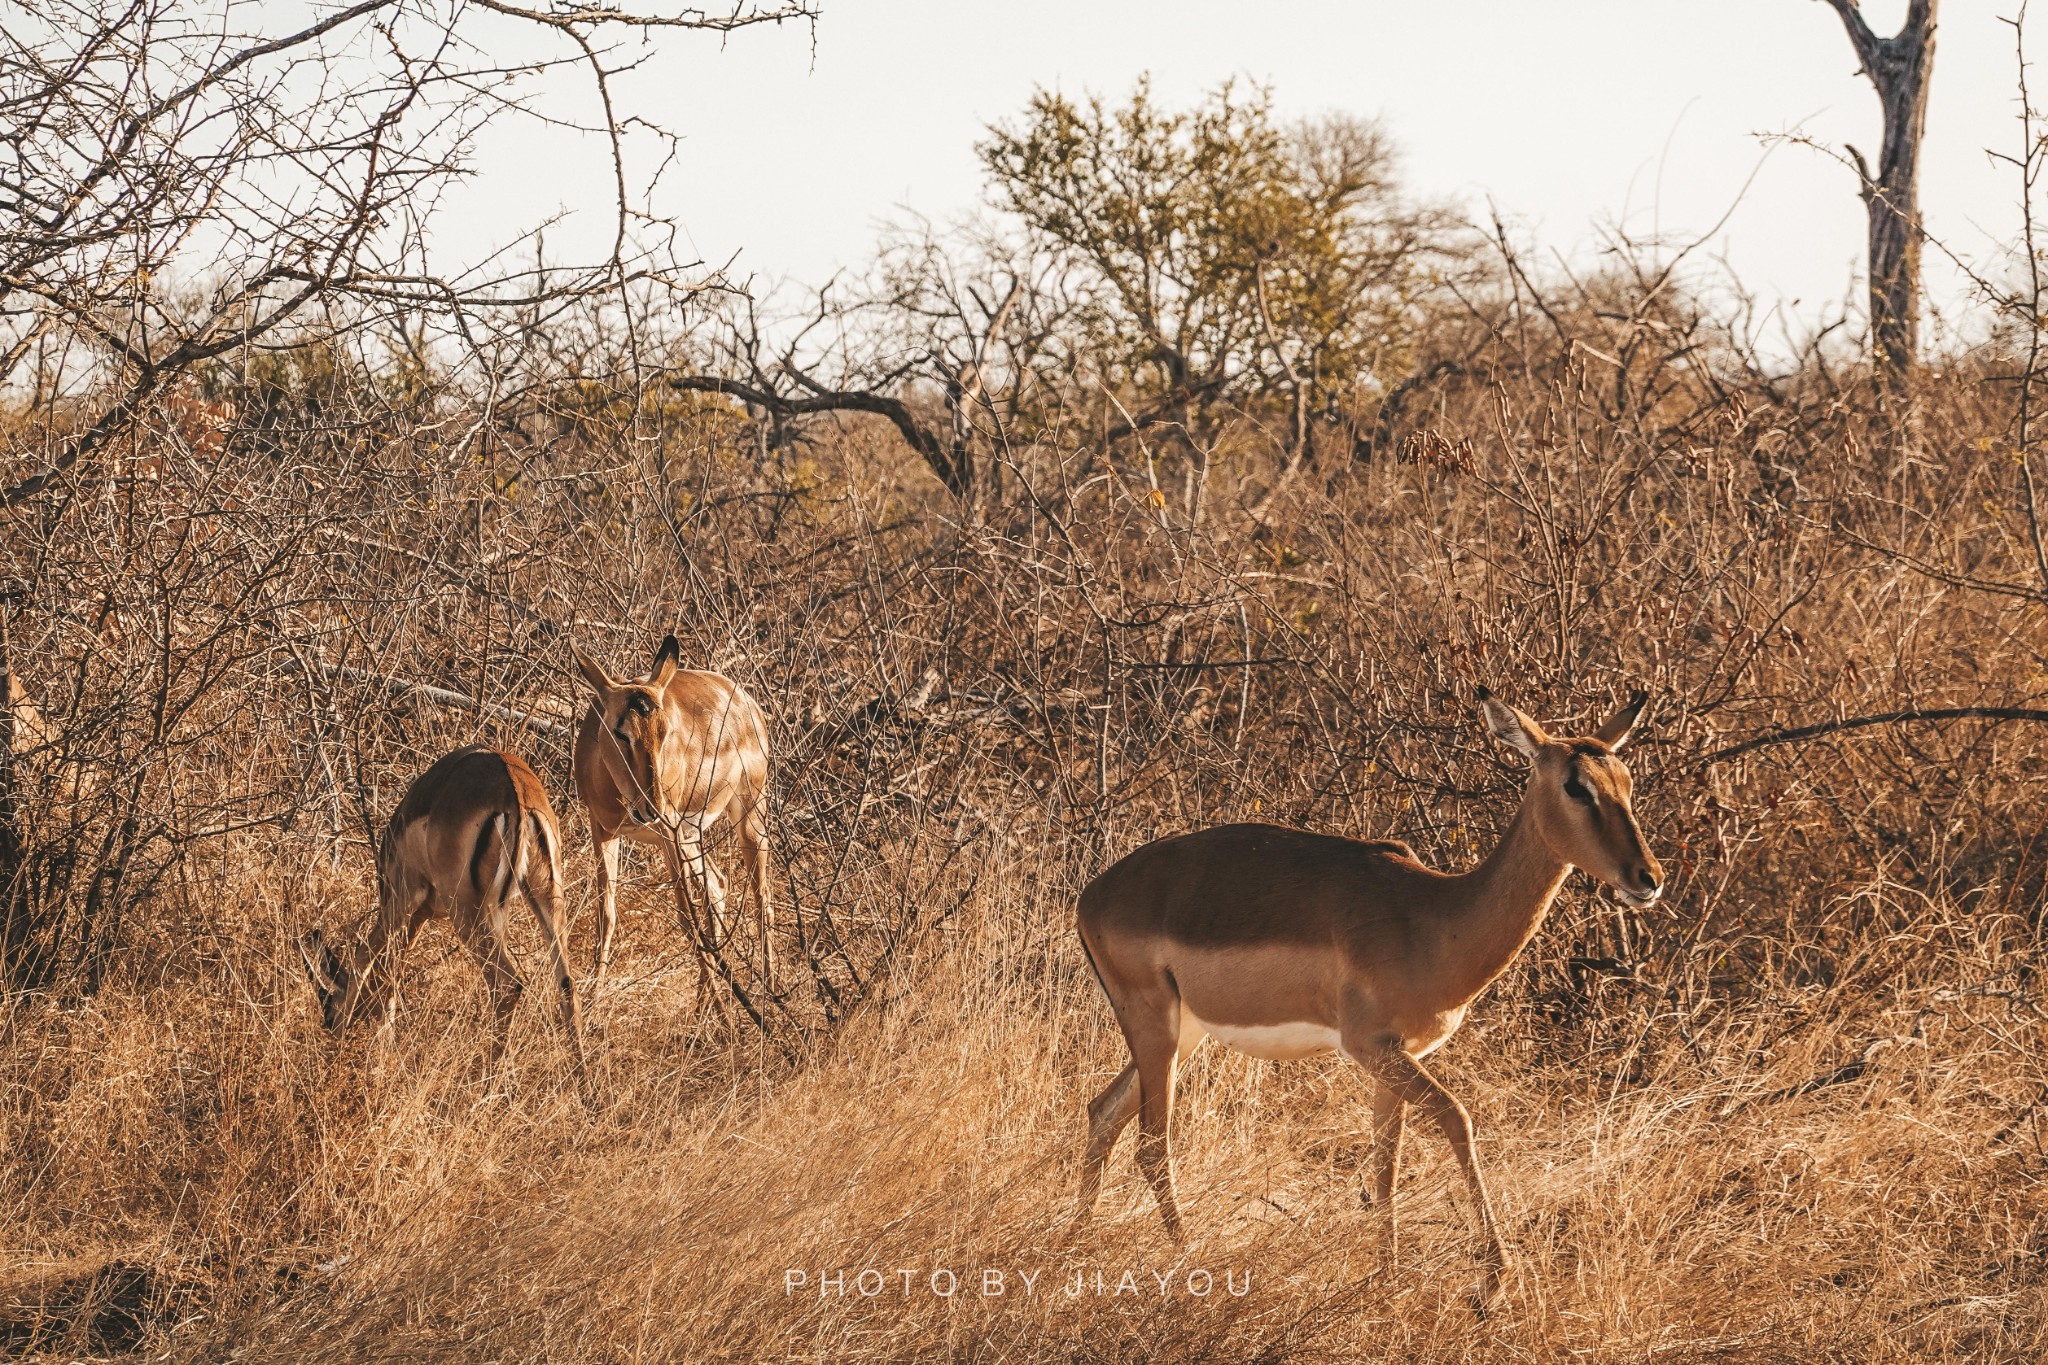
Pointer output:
182, 192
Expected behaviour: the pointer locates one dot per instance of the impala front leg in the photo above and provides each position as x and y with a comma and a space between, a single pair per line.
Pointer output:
1389, 1111
396, 923
607, 846
1411, 1083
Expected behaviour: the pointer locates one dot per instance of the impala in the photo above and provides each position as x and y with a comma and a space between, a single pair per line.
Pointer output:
1283, 943
28, 729
660, 760
472, 829
61, 787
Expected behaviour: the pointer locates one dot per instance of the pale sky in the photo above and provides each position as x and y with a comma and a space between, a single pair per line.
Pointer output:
1563, 114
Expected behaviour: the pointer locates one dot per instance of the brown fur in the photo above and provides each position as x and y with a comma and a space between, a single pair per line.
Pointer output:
469, 831
1292, 941
687, 748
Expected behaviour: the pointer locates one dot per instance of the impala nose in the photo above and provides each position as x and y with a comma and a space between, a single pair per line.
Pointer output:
1646, 884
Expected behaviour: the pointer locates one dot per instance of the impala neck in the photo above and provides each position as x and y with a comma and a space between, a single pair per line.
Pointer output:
1501, 905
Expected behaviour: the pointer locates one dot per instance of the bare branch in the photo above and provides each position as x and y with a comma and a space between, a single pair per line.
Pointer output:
914, 432
1900, 717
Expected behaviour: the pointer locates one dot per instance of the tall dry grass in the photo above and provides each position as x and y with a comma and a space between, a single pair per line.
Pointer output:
1676, 1202
1797, 1115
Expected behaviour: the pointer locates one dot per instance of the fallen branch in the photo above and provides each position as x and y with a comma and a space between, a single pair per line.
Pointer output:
1841, 1075
1884, 718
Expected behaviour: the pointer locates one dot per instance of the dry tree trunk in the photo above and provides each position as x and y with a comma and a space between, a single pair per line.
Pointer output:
1899, 68
13, 905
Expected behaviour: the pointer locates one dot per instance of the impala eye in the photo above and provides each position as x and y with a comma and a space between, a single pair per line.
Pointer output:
1576, 791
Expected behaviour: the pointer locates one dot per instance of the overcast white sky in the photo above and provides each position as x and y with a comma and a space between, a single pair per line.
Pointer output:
1562, 113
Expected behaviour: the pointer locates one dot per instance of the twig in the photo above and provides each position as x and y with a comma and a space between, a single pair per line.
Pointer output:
1829, 727
1841, 1075
540, 724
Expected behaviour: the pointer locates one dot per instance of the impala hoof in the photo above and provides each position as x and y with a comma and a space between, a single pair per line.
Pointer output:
1486, 1293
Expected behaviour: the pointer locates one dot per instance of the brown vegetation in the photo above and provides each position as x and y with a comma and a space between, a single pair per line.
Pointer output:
1793, 1112
1797, 1114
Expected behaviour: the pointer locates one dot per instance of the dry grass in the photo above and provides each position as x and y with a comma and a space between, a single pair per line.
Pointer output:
261, 563
366, 1203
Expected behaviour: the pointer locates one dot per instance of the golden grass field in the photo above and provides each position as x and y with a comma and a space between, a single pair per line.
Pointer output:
1667, 1199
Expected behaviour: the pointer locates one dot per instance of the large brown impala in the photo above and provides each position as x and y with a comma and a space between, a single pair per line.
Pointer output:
660, 760
1282, 943
470, 831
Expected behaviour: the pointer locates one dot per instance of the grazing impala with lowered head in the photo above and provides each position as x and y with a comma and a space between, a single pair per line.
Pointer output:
472, 830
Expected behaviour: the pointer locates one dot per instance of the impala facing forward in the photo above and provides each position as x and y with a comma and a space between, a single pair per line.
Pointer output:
1283, 943
471, 830
660, 760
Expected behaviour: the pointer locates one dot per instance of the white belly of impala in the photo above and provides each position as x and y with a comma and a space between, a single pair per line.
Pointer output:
1273, 1042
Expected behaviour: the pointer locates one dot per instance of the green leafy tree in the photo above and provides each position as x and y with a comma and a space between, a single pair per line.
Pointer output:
1226, 266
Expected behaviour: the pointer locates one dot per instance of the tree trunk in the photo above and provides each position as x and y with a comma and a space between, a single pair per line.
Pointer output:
1899, 68
14, 925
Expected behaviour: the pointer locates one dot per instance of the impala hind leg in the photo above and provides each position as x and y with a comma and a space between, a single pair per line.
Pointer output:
543, 893
1108, 1113
1411, 1083
711, 886
684, 851
679, 861
481, 927
753, 837
1157, 1062
503, 979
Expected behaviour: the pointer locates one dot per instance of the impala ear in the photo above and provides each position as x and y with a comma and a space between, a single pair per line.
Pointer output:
666, 660
1616, 729
599, 680
1512, 726
322, 966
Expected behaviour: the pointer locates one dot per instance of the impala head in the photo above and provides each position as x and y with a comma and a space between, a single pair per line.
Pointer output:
340, 979
1579, 796
635, 724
